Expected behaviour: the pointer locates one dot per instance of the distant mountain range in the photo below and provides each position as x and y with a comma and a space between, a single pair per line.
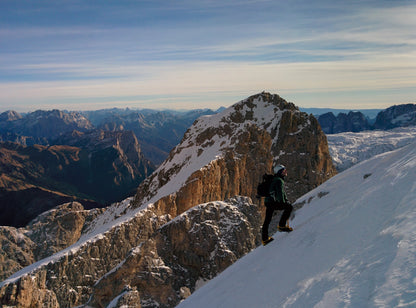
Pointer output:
99, 157
368, 113
40, 127
158, 132
357, 121
95, 168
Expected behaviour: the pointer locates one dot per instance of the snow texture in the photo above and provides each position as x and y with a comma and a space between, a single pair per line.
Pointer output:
353, 245
348, 149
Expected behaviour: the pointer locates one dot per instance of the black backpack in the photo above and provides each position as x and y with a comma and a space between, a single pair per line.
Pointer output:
263, 189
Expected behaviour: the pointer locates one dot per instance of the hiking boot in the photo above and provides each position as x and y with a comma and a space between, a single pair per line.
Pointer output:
284, 229
265, 242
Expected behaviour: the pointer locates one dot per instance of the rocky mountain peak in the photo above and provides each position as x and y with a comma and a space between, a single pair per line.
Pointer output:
10, 115
354, 121
226, 154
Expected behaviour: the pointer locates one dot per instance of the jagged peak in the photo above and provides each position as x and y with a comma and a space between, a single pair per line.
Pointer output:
10, 115
262, 109
265, 99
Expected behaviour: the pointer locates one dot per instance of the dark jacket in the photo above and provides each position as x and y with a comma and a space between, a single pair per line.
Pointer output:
277, 191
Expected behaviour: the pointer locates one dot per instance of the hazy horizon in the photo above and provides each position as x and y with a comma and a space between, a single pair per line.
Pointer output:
372, 111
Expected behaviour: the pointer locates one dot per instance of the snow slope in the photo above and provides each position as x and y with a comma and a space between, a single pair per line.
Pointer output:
354, 245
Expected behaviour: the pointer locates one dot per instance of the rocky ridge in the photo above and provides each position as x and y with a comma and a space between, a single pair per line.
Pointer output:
354, 121
49, 233
41, 126
219, 157
396, 116
192, 248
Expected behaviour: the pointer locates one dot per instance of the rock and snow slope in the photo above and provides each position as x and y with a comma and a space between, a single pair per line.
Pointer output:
353, 246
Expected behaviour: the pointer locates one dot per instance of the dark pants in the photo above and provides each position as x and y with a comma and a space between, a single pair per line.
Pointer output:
270, 208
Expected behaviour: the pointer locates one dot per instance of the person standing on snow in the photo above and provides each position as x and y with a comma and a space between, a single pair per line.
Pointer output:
277, 201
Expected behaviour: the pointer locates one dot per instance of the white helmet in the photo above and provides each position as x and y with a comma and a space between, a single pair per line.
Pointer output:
278, 168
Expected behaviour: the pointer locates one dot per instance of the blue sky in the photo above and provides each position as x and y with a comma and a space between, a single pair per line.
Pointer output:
79, 55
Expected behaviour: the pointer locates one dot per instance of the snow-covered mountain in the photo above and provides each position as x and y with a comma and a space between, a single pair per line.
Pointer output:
353, 245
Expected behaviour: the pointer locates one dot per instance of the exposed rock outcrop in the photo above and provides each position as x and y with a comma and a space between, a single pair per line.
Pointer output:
59, 228
69, 275
195, 246
354, 121
16, 251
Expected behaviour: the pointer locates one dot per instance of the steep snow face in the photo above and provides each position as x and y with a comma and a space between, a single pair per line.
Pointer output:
353, 245
348, 149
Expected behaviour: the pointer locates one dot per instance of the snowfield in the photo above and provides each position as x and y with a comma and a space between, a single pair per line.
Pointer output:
348, 149
353, 245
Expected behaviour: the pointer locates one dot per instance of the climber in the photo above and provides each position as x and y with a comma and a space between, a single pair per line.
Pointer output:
277, 200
